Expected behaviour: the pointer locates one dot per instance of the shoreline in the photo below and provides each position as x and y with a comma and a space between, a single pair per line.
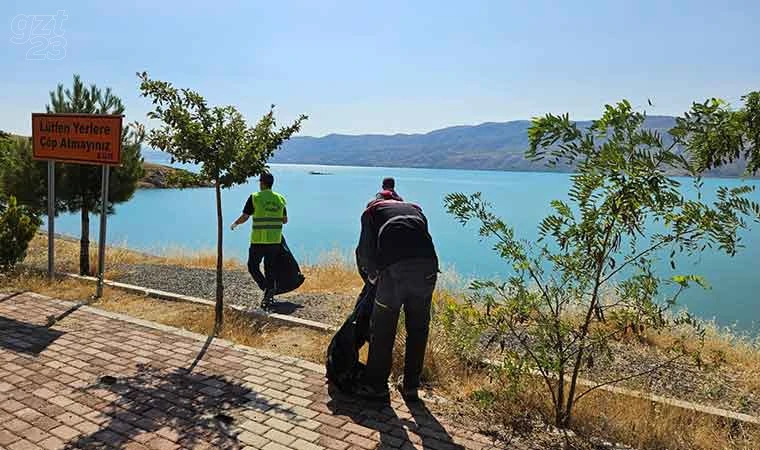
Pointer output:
161, 176
389, 167
450, 279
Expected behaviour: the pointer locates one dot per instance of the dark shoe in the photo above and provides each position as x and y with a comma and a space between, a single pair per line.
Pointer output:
373, 394
268, 301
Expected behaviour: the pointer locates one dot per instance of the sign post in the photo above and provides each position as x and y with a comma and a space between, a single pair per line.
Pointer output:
51, 220
103, 222
79, 139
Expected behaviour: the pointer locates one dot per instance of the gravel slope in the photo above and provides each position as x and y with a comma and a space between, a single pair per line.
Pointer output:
239, 289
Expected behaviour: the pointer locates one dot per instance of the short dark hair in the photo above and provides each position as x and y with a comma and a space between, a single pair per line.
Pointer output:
389, 183
267, 179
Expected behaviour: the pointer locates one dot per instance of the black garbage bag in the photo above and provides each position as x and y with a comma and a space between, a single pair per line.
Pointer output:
343, 366
287, 274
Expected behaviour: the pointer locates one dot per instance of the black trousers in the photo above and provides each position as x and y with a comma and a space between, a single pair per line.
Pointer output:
408, 284
267, 252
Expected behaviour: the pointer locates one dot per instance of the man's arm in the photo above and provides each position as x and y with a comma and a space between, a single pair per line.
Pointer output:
284, 216
366, 251
240, 220
247, 212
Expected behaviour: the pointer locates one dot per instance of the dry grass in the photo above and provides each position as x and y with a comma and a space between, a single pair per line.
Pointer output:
239, 328
118, 255
64, 288
723, 348
649, 425
67, 256
740, 352
636, 422
200, 259
332, 273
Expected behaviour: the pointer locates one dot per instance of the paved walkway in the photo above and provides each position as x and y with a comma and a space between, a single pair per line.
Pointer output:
77, 377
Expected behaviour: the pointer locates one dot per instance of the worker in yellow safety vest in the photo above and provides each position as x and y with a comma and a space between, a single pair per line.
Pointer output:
267, 210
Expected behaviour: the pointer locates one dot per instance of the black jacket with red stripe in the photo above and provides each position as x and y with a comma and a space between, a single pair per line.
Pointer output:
392, 231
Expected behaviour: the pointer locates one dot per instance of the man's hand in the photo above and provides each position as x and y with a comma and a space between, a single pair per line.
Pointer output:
240, 220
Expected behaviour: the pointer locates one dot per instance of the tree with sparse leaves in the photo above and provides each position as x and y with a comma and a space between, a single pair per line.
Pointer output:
715, 134
218, 139
591, 279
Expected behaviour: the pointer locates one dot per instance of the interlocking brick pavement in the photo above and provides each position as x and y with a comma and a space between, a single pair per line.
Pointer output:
94, 379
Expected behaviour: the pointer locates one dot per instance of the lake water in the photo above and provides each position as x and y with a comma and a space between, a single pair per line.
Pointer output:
324, 211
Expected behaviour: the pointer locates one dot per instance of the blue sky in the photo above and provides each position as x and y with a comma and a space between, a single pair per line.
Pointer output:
394, 66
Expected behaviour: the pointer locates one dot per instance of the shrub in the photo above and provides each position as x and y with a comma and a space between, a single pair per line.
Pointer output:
551, 316
17, 227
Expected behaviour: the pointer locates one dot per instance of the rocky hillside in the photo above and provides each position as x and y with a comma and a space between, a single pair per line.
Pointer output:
488, 146
158, 176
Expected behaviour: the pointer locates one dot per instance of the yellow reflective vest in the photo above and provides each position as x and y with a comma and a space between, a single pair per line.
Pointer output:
268, 214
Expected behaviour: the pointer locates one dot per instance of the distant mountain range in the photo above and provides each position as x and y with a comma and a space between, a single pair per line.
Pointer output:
488, 146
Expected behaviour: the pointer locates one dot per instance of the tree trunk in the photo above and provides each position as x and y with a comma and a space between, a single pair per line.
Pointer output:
600, 262
84, 244
219, 259
559, 416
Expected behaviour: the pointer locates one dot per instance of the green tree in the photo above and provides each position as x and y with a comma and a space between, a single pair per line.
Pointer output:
78, 188
591, 277
18, 226
218, 139
715, 134
5, 144
24, 177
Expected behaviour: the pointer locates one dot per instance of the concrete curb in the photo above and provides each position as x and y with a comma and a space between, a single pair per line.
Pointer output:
184, 333
164, 295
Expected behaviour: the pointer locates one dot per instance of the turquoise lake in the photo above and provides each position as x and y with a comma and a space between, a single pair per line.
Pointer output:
324, 213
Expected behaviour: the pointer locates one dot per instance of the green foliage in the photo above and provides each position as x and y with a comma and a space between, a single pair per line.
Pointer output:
218, 139
17, 228
716, 134
484, 398
463, 329
594, 257
77, 185
22, 176
184, 179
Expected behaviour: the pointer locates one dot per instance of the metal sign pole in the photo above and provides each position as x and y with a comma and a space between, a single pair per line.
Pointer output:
102, 240
51, 220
